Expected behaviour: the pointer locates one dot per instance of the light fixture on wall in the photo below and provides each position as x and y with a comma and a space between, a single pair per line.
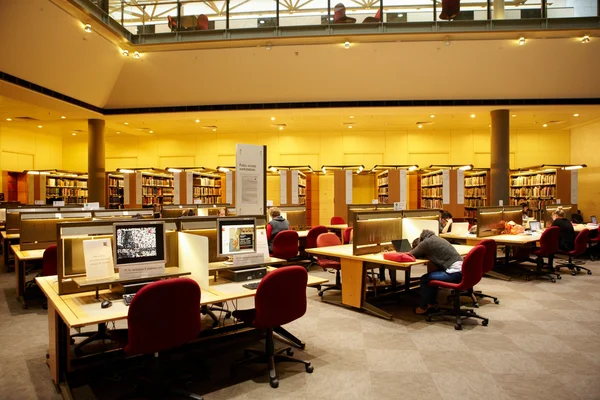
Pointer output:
63, 117
87, 28
125, 52
347, 45
383, 167
521, 41
571, 167
174, 170
357, 167
585, 39
268, 47
136, 54
9, 119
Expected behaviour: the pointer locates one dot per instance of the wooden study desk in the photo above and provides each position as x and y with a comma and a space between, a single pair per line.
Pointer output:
354, 275
7, 239
82, 309
580, 227
21, 258
220, 265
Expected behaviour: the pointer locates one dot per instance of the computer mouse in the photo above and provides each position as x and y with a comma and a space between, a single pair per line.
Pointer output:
106, 304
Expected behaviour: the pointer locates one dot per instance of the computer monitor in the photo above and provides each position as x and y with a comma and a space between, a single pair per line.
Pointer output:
535, 226
236, 236
139, 243
594, 220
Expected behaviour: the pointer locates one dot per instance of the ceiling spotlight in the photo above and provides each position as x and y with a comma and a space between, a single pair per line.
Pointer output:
351, 117
268, 46
39, 126
576, 115
126, 123
214, 129
9, 119
432, 116
360, 169
224, 169
347, 45
197, 120
514, 115
281, 128
324, 170
74, 134
472, 115
521, 41
136, 54
273, 169
545, 125
349, 126
585, 39
87, 28
118, 133
272, 118
125, 52
63, 117
151, 131
419, 126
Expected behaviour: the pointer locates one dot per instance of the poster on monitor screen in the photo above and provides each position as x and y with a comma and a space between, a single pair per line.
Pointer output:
250, 179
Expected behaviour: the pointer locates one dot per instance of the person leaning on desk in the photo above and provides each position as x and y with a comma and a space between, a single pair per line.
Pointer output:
445, 222
445, 257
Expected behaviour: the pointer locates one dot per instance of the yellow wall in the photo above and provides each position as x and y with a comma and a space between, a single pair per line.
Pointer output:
21, 150
585, 149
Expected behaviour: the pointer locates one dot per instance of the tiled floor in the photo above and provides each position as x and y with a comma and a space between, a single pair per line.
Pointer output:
543, 342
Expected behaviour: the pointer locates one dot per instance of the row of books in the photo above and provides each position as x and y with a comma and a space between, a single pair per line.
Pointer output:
432, 192
534, 204
382, 180
209, 199
540, 179
432, 203
432, 180
115, 182
383, 190
65, 182
212, 182
474, 202
207, 191
474, 192
301, 180
66, 192
147, 201
536, 191
156, 181
158, 191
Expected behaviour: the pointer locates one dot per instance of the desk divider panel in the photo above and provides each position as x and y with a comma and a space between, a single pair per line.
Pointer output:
375, 230
146, 213
491, 220
513, 213
13, 218
38, 230
354, 208
296, 216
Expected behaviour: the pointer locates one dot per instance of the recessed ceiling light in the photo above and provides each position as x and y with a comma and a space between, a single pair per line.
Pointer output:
472, 115
125, 52
87, 28
419, 126
126, 123
197, 120
352, 116
576, 115
514, 115
214, 129
349, 126
63, 117
585, 39
74, 134
9, 119
545, 125
281, 128
118, 133
272, 118
39, 126
151, 131
521, 41
136, 54
432, 116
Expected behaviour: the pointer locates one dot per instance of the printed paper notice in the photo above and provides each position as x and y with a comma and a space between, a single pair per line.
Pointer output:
446, 187
574, 187
249, 189
98, 258
348, 187
295, 188
229, 187
262, 245
283, 187
460, 186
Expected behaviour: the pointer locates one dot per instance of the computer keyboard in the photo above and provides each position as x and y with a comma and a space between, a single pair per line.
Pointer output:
251, 285
127, 298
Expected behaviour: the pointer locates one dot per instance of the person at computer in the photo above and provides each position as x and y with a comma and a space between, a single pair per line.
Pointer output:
566, 240
445, 222
525, 210
277, 224
222, 212
447, 261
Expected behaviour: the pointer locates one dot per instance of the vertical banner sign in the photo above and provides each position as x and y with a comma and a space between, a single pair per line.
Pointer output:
574, 187
283, 187
403, 185
348, 187
460, 187
250, 179
446, 187
138, 189
295, 187
176, 187
126, 190
189, 187
229, 187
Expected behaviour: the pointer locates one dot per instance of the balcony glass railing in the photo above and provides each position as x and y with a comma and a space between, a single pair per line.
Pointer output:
150, 17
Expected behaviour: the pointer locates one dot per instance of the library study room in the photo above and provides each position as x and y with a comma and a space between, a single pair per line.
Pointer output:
320, 200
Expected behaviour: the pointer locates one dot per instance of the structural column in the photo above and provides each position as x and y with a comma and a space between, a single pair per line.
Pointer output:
499, 157
96, 162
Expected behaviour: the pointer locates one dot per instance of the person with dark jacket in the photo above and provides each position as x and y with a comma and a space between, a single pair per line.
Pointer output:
276, 225
566, 240
445, 257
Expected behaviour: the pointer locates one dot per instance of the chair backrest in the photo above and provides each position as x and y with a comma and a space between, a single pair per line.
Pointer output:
581, 242
328, 239
378, 14
50, 262
280, 297
450, 9
285, 245
269, 230
472, 268
489, 260
549, 241
337, 221
202, 23
313, 234
347, 235
172, 22
163, 315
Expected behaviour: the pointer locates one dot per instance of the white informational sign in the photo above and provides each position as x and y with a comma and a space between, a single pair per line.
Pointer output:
460, 187
189, 187
557, 201
295, 187
229, 187
399, 205
446, 187
375, 201
138, 188
500, 203
283, 187
58, 203
193, 257
141, 271
250, 179
39, 202
197, 201
262, 244
91, 206
98, 258
269, 203
574, 187
177, 187
126, 189
239, 260
348, 187
403, 185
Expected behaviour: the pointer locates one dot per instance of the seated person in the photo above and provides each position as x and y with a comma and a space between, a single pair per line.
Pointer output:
566, 241
445, 222
339, 15
222, 212
525, 210
276, 225
577, 218
445, 257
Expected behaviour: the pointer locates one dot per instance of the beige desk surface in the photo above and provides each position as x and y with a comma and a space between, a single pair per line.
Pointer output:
27, 255
10, 235
219, 265
81, 309
504, 239
340, 226
580, 227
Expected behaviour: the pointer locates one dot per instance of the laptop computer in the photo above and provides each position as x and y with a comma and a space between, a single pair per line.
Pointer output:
402, 245
459, 228
535, 226
594, 220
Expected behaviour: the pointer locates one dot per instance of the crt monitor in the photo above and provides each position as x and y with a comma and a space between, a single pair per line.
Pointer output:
139, 243
236, 236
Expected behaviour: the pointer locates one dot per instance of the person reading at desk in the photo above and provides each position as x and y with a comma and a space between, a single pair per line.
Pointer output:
445, 222
566, 239
447, 260
276, 225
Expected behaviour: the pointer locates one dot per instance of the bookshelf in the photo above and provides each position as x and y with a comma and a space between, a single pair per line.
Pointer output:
71, 189
539, 188
383, 190
301, 187
432, 187
115, 191
476, 192
157, 189
207, 189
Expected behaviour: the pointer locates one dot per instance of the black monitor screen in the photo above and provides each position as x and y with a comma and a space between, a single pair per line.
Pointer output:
139, 243
236, 236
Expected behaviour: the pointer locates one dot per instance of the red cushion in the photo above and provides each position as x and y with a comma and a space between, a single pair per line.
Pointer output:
399, 257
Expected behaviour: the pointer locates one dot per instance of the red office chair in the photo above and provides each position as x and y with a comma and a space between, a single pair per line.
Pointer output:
337, 221
471, 275
548, 248
581, 241
49, 267
450, 9
280, 299
347, 235
162, 316
285, 245
376, 18
313, 234
339, 15
172, 23
326, 240
489, 261
593, 248
202, 23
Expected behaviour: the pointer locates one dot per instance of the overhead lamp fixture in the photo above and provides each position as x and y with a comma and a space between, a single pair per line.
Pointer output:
432, 116
360, 169
268, 46
324, 170
118, 133
576, 115
413, 167
125, 171
87, 28
351, 117
585, 39
9, 119
151, 131
63, 117
419, 126
40, 126
349, 126
521, 41
223, 169
197, 120
74, 134
173, 170
514, 115
472, 115
214, 129
347, 45
33, 172
126, 123
44, 172
281, 128
571, 167
545, 126
136, 54
383, 167
272, 118
125, 52
465, 167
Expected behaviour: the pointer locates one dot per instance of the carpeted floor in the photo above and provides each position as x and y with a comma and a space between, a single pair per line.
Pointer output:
543, 342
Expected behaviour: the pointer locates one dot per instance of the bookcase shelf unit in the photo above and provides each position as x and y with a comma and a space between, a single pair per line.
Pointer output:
383, 189
207, 188
432, 190
157, 189
70, 188
115, 191
477, 192
539, 188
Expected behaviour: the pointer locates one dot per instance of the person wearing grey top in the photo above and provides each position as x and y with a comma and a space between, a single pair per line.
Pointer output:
277, 224
445, 257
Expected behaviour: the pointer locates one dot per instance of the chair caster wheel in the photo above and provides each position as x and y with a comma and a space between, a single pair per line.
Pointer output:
320, 294
496, 301
215, 324
589, 272
458, 327
558, 277
573, 273
289, 352
274, 383
485, 322
309, 369
476, 305
552, 280
228, 315
527, 278
428, 319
